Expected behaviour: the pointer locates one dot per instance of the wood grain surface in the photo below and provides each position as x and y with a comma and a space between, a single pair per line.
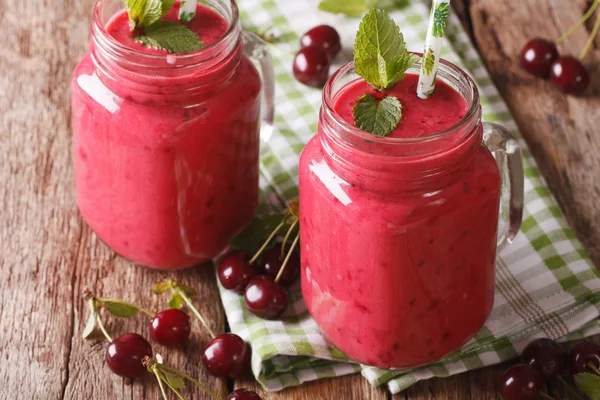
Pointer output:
48, 254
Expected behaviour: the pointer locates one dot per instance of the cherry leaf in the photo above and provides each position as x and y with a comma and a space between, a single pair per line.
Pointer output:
89, 327
588, 384
161, 287
176, 301
119, 308
295, 208
173, 380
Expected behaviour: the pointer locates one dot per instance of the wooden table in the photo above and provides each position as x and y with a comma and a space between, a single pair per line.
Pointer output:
49, 254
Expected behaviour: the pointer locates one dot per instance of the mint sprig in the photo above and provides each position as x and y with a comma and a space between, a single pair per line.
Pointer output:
377, 117
171, 36
381, 59
356, 8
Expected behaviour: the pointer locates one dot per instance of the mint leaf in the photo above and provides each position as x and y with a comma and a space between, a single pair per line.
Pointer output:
377, 117
170, 36
428, 61
588, 384
145, 12
440, 17
166, 6
380, 55
356, 8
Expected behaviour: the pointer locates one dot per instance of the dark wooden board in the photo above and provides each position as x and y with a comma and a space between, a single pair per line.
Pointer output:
48, 254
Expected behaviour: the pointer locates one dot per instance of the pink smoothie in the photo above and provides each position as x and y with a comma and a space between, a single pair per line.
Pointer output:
398, 268
167, 162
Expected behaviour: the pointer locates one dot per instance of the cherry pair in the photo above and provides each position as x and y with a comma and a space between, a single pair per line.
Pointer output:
544, 360
318, 47
540, 57
263, 295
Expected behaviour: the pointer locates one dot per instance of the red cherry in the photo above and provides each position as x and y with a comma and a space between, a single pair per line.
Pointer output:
521, 382
537, 56
235, 271
226, 356
569, 75
581, 355
265, 298
243, 394
124, 355
323, 36
311, 66
546, 356
170, 327
272, 261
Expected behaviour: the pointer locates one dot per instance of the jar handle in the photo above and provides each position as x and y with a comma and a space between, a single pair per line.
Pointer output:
256, 50
505, 149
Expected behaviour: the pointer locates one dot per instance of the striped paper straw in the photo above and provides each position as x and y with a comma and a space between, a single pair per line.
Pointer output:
187, 10
433, 47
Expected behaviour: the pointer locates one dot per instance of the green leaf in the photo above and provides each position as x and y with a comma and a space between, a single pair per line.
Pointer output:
251, 238
588, 384
176, 301
428, 61
173, 380
89, 327
166, 6
161, 287
377, 117
170, 36
119, 308
295, 208
356, 8
440, 17
145, 12
188, 291
380, 54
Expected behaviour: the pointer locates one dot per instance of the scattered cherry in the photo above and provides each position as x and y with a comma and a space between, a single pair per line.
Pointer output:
170, 327
124, 355
537, 56
325, 37
546, 356
582, 355
226, 356
243, 394
235, 271
569, 75
521, 382
311, 66
265, 298
272, 262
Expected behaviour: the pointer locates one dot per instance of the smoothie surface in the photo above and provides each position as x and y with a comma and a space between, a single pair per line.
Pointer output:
419, 117
209, 26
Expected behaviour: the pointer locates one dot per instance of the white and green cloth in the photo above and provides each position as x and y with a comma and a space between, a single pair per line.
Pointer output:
545, 283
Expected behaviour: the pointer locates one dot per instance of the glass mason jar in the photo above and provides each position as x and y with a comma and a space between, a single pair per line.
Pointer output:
166, 146
399, 235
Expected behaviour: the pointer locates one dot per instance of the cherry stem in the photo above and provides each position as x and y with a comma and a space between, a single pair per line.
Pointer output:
189, 378
546, 396
194, 310
573, 28
590, 40
162, 388
289, 254
287, 236
102, 328
142, 309
266, 243
593, 367
569, 387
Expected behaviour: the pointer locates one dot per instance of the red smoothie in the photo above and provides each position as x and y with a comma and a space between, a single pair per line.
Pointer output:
399, 239
166, 146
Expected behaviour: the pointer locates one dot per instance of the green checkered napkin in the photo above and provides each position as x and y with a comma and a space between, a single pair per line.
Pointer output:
545, 283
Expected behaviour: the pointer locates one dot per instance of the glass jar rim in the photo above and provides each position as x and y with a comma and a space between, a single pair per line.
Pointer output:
191, 56
445, 66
